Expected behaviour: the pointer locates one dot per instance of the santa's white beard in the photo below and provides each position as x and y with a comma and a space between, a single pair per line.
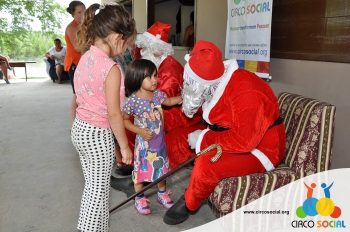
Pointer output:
149, 56
195, 94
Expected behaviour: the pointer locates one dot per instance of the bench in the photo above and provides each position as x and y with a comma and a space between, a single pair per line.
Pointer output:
21, 64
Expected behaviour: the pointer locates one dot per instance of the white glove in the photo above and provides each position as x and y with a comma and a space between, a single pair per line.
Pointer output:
193, 137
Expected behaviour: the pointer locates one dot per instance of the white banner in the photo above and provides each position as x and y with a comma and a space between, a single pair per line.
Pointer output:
318, 202
248, 33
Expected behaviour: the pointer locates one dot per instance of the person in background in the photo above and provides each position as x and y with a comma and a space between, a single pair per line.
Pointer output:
4, 66
189, 33
106, 32
73, 54
57, 54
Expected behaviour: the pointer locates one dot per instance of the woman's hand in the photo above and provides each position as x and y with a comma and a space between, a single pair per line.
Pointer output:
145, 133
126, 155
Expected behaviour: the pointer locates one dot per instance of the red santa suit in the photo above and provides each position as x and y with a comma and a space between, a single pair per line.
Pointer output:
243, 119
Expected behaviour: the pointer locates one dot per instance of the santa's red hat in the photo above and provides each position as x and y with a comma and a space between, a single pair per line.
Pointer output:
157, 36
159, 31
205, 62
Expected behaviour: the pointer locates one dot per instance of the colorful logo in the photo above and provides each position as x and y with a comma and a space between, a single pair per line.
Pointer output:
323, 206
237, 2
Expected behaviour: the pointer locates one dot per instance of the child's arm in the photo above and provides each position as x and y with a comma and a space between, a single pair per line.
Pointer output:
114, 113
73, 108
144, 132
170, 101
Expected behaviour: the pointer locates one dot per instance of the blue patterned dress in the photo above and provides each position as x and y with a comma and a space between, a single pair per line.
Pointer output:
150, 159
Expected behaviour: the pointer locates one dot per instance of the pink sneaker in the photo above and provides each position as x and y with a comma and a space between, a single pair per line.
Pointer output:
142, 205
165, 200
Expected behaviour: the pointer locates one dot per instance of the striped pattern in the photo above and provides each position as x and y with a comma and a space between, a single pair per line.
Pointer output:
309, 128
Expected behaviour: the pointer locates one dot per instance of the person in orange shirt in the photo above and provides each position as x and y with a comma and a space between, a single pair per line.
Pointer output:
73, 54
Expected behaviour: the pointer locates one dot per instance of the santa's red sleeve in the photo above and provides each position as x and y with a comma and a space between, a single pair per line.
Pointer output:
170, 77
251, 117
175, 118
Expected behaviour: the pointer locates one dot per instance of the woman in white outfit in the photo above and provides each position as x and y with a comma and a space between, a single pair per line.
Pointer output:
57, 53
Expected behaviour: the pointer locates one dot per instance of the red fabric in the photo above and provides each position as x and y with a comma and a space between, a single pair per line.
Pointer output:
206, 175
178, 150
247, 107
161, 29
136, 53
206, 60
174, 118
170, 77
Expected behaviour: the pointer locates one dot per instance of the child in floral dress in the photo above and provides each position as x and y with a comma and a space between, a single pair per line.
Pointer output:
145, 104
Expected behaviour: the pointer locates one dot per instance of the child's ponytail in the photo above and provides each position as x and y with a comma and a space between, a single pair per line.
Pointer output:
85, 36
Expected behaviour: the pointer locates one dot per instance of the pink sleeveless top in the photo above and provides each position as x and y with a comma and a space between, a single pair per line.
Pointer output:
89, 82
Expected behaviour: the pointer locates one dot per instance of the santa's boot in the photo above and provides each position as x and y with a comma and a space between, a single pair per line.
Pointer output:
177, 214
125, 185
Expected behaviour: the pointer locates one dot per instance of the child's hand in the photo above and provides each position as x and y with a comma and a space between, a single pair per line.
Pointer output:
146, 133
126, 155
179, 100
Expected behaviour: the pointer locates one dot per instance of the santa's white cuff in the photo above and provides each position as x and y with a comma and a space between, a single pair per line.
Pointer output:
199, 141
264, 160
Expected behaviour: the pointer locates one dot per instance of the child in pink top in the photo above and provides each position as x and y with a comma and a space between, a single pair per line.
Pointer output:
107, 31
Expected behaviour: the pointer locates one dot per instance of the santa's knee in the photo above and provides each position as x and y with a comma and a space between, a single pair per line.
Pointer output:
203, 168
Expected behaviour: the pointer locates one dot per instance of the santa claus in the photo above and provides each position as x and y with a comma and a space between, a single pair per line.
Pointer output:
242, 115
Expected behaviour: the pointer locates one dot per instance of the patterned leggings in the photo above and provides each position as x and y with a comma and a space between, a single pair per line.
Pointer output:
96, 151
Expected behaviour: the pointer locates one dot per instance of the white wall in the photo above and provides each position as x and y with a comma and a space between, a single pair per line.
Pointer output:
211, 21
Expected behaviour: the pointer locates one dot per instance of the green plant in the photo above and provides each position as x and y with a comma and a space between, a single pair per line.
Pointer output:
24, 45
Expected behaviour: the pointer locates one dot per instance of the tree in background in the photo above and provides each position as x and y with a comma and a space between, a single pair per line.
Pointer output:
21, 13
26, 44
17, 39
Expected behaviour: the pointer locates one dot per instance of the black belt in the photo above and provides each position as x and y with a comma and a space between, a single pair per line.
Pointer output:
215, 127
278, 121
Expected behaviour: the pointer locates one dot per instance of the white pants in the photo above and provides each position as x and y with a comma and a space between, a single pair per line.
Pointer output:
96, 151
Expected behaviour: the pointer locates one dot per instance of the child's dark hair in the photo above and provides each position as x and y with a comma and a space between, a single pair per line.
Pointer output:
73, 5
109, 19
136, 72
